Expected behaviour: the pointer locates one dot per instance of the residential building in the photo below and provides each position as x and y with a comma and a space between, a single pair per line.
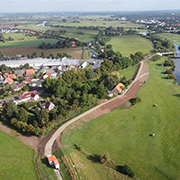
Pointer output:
27, 96
118, 89
8, 80
29, 71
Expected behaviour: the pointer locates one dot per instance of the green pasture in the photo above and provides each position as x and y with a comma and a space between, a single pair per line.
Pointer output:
129, 72
26, 43
125, 134
88, 35
17, 160
98, 22
173, 37
18, 36
130, 44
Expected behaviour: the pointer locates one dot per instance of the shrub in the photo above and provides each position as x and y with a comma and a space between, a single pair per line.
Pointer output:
168, 71
133, 101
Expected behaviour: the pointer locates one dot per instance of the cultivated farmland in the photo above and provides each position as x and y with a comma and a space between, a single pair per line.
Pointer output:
125, 134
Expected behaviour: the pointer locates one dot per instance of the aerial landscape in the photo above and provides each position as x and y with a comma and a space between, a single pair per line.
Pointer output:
89, 90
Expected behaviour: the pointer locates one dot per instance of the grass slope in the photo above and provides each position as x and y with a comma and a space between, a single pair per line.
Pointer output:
130, 44
16, 159
125, 134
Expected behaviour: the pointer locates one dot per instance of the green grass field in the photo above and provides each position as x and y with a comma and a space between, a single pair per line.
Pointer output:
98, 22
88, 35
128, 73
17, 160
26, 43
173, 37
130, 44
18, 36
125, 134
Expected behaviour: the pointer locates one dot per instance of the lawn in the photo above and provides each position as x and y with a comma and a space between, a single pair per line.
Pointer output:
130, 44
125, 134
173, 37
26, 43
17, 160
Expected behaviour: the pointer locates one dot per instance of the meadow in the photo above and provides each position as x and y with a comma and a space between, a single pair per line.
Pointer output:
97, 21
173, 37
130, 44
26, 43
17, 160
126, 133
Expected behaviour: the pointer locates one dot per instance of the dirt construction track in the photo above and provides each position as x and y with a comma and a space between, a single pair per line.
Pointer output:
49, 144
103, 108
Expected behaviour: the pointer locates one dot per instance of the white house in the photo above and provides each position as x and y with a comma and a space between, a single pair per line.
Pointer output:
26, 96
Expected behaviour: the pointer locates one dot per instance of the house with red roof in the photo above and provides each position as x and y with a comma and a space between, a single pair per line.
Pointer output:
46, 75
29, 71
118, 89
28, 96
8, 80
53, 161
12, 76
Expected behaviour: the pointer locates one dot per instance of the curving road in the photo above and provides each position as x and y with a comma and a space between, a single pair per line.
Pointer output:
139, 80
49, 144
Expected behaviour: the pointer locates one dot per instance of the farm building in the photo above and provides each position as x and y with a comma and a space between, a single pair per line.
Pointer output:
53, 161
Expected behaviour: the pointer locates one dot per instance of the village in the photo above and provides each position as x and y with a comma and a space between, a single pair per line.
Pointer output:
31, 78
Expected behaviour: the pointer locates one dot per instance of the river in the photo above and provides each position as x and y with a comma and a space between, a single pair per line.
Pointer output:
43, 24
177, 62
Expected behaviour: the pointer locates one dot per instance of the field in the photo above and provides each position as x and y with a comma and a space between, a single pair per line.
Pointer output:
89, 35
130, 44
126, 134
17, 160
30, 49
96, 21
173, 37
128, 73
26, 43
18, 36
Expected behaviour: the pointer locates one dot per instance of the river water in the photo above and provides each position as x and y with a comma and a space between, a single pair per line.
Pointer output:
177, 62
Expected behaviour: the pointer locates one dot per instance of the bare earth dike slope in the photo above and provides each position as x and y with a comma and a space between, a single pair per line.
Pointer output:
103, 108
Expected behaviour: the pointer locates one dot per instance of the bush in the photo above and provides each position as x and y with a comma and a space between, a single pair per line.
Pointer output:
171, 76
155, 58
168, 71
133, 101
126, 170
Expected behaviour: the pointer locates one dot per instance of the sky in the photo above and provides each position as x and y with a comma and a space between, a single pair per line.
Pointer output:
86, 5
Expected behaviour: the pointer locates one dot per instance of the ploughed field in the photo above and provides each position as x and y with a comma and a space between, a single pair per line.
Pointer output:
126, 133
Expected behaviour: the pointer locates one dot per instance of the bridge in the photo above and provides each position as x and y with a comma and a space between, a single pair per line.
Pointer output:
168, 53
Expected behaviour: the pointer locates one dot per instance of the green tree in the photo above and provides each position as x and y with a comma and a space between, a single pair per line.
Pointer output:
23, 115
43, 117
10, 110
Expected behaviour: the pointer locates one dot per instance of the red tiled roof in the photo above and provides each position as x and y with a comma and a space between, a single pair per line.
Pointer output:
56, 162
29, 71
51, 158
9, 80
10, 76
119, 86
28, 94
